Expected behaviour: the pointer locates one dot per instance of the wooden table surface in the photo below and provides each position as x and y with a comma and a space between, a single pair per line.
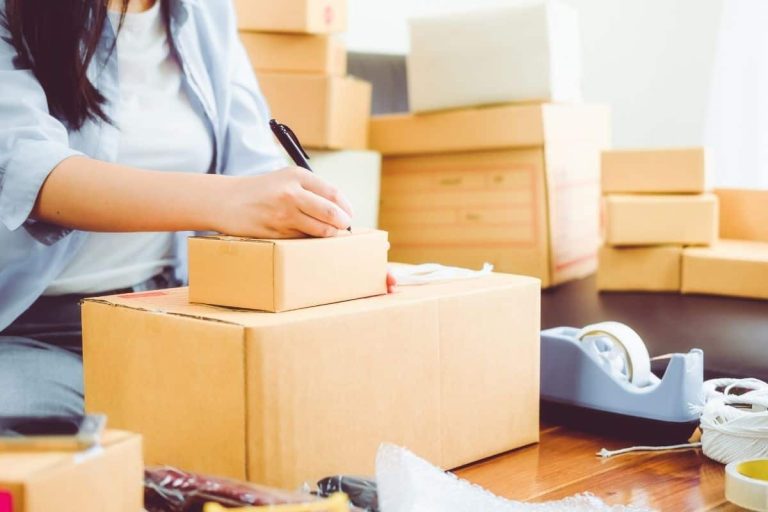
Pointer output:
564, 463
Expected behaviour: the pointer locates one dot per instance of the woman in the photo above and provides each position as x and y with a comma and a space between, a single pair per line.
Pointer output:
122, 122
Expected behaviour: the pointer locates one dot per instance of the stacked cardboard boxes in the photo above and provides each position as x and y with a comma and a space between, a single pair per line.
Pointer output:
654, 204
301, 65
449, 370
510, 176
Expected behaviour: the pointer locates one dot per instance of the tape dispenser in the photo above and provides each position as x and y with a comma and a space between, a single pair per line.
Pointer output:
599, 378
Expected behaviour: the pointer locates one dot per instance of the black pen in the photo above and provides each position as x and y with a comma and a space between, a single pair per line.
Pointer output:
292, 146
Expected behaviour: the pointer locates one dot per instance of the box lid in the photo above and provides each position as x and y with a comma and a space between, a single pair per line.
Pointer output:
175, 301
507, 126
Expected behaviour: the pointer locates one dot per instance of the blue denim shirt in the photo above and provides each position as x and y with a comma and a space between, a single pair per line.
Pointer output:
221, 85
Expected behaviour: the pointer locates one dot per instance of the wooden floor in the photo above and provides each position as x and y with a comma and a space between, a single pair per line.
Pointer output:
564, 463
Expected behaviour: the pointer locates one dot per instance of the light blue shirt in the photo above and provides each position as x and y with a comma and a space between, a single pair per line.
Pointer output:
222, 88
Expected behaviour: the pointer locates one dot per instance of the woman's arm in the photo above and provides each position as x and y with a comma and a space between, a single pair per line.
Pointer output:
91, 195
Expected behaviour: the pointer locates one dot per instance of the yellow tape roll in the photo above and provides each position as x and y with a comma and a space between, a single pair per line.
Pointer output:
746, 484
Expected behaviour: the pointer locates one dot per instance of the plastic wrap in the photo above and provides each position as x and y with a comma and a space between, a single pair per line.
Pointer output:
362, 492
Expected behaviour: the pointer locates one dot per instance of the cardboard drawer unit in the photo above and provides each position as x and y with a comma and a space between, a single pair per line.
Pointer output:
449, 370
516, 186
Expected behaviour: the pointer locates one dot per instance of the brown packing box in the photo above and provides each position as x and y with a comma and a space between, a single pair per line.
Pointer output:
295, 53
279, 275
639, 268
516, 186
661, 219
307, 16
679, 170
730, 267
325, 112
448, 370
743, 214
109, 479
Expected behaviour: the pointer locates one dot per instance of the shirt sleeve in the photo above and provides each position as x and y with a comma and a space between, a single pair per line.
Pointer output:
32, 142
249, 147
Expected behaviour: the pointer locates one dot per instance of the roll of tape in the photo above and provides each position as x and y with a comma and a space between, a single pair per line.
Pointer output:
746, 484
638, 360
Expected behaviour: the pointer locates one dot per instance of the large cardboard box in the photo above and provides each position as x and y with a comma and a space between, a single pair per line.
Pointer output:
296, 53
109, 479
672, 171
492, 56
730, 267
743, 214
654, 268
325, 112
358, 175
661, 219
279, 275
449, 370
306, 16
516, 186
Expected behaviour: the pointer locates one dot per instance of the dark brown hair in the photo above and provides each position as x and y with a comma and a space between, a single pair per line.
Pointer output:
57, 40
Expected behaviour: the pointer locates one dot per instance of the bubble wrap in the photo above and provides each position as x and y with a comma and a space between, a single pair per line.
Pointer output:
407, 483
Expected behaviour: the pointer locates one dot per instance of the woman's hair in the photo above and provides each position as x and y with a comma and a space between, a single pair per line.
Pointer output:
57, 40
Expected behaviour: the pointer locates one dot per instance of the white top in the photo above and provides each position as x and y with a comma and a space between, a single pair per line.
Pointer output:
160, 130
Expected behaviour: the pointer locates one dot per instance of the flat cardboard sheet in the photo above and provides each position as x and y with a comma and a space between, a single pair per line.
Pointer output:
449, 370
738, 268
661, 219
654, 171
298, 16
296, 53
655, 268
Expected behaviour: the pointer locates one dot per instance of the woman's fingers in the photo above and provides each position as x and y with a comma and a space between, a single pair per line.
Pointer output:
323, 210
310, 226
323, 189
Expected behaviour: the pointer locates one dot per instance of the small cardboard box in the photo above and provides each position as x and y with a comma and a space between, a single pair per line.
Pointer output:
743, 214
496, 55
738, 268
516, 186
655, 171
280, 275
325, 112
639, 268
304, 16
358, 175
448, 370
661, 219
294, 53
109, 479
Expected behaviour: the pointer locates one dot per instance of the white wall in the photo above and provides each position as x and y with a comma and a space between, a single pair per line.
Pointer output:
651, 60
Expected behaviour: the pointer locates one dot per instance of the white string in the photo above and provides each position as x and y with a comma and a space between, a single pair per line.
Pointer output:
604, 453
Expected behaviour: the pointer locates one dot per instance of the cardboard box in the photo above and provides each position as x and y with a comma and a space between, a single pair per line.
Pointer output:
639, 268
280, 275
306, 16
295, 53
492, 56
673, 171
738, 268
448, 370
743, 214
358, 175
325, 112
107, 480
661, 219
516, 186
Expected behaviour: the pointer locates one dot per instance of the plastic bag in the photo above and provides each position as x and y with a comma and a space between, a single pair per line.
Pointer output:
362, 492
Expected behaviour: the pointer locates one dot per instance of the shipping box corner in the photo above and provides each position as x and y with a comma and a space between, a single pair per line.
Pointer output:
448, 370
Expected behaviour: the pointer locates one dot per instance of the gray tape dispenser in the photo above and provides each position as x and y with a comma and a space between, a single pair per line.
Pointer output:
600, 376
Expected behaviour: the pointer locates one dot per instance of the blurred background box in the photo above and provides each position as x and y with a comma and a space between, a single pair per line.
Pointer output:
737, 268
358, 175
743, 214
109, 479
449, 370
325, 112
516, 186
495, 55
304, 16
661, 219
639, 268
296, 53
654, 171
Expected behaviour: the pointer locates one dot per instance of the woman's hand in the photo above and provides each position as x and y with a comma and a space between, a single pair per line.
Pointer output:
288, 203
